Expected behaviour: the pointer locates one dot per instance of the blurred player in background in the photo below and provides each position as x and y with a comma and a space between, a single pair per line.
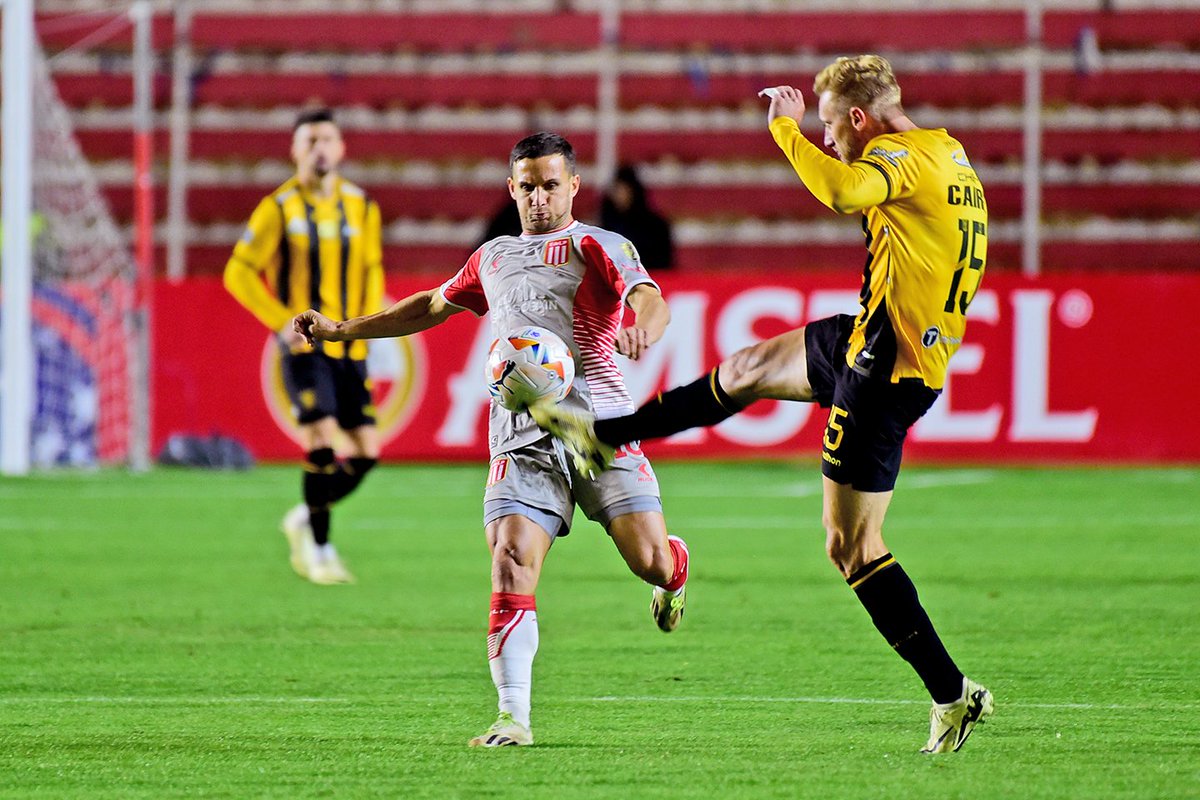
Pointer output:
574, 280
317, 242
878, 372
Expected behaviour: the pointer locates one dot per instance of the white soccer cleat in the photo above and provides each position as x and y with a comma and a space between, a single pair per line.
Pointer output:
577, 432
505, 732
326, 567
952, 723
296, 528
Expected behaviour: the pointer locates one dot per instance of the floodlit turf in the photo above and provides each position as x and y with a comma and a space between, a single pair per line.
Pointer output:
154, 643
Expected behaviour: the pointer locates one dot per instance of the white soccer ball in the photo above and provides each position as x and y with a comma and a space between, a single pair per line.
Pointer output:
529, 364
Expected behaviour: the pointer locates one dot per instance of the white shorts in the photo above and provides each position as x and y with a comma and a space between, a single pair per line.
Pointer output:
540, 482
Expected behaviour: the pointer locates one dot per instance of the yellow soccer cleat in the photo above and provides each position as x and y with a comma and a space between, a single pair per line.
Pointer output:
667, 607
577, 432
505, 732
952, 723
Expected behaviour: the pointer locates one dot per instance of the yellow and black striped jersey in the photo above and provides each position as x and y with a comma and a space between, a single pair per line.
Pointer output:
322, 253
925, 220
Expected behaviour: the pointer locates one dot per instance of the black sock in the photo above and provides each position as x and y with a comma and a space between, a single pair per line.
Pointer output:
319, 473
889, 596
698, 404
318, 519
348, 476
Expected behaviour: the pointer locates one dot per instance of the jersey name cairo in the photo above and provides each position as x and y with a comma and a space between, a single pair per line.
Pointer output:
927, 249
574, 282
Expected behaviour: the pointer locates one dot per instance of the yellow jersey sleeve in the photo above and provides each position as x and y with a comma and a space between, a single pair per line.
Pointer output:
373, 259
845, 188
255, 251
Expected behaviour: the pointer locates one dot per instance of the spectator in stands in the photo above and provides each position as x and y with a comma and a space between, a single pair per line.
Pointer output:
626, 210
317, 241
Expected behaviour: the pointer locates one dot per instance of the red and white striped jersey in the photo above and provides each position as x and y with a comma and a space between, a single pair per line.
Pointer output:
573, 281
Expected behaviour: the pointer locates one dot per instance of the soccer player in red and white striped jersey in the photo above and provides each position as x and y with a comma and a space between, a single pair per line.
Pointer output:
575, 280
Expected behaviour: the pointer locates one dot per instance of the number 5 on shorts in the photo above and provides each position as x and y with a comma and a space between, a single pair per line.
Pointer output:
834, 427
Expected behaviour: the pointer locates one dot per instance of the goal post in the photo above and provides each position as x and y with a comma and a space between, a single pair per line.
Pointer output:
74, 303
16, 258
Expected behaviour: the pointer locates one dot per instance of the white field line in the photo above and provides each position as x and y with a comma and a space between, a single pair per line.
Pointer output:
831, 701
235, 491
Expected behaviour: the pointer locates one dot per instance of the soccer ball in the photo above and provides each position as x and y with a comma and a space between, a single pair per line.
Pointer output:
529, 364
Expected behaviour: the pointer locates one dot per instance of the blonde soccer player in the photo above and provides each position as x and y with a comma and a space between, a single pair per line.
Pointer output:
878, 371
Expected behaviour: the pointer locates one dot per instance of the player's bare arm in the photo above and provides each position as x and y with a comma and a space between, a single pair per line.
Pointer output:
651, 317
413, 314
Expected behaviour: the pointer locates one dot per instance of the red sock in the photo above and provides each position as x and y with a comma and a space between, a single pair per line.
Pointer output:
507, 610
679, 553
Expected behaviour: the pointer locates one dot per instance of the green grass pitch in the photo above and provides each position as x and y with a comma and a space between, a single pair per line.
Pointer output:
154, 642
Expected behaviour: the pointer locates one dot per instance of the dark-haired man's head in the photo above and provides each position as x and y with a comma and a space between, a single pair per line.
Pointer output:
543, 181
317, 146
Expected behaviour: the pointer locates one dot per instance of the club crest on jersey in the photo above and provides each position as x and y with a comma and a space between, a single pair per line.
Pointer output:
498, 470
557, 253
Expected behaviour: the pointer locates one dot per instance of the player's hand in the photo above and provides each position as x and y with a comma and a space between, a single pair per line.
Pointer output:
632, 342
786, 101
312, 327
290, 338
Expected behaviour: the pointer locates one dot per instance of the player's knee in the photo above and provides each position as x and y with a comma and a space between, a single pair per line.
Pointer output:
842, 545
653, 564
743, 373
512, 565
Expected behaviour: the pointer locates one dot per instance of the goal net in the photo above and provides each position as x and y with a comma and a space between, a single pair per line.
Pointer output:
84, 294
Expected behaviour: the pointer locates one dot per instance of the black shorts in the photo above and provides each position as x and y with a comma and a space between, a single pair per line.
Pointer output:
868, 417
320, 386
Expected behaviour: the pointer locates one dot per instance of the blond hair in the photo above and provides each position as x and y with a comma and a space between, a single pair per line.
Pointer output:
865, 81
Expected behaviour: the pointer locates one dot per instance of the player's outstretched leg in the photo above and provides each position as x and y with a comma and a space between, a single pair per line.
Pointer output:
668, 601
578, 435
951, 723
592, 442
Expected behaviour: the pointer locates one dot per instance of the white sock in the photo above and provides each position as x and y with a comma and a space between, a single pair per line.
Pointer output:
512, 644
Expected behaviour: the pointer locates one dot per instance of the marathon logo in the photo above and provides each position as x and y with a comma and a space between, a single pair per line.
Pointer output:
557, 252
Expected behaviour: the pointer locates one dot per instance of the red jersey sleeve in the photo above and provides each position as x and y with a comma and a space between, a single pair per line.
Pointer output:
616, 261
465, 289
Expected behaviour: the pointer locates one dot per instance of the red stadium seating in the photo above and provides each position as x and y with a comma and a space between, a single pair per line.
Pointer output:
441, 261
1170, 88
1071, 139
831, 31
984, 146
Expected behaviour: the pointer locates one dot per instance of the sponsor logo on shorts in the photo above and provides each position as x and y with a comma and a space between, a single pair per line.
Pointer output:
837, 462
931, 336
498, 470
557, 252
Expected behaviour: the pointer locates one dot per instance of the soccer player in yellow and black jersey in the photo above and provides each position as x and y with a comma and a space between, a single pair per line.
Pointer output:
925, 219
315, 242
